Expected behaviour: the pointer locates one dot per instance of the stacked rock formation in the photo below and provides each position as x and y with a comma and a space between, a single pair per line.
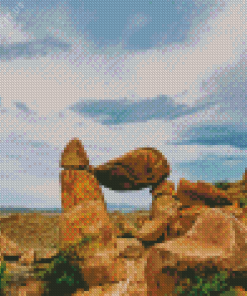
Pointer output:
85, 225
197, 226
85, 228
193, 227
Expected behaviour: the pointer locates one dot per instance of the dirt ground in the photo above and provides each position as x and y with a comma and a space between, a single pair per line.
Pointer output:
40, 230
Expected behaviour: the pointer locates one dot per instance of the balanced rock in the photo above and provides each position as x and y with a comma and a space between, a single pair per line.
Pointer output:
135, 170
216, 239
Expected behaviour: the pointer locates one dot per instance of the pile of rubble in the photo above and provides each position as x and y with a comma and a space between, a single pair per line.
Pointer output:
199, 225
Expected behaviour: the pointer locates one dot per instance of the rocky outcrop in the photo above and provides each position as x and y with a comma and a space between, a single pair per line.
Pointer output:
175, 226
85, 214
216, 239
197, 226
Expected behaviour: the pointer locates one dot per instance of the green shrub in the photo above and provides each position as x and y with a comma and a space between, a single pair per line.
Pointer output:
224, 185
243, 202
62, 278
4, 277
198, 286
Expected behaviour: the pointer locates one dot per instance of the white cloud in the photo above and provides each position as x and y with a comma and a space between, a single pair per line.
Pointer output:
48, 86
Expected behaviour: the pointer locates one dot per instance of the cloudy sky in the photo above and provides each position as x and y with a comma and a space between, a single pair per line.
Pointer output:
120, 75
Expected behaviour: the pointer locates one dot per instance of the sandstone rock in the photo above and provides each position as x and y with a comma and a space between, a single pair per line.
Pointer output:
129, 248
201, 193
85, 212
122, 288
28, 257
135, 170
88, 220
180, 224
140, 221
238, 190
109, 264
74, 156
152, 230
31, 288
8, 247
77, 183
134, 285
163, 203
216, 239
164, 208
78, 186
103, 267
45, 253
118, 289
123, 225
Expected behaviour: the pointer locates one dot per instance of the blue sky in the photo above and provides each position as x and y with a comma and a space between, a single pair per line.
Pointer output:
120, 75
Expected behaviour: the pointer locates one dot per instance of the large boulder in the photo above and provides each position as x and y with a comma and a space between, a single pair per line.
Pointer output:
216, 239
103, 267
237, 191
86, 226
111, 264
8, 247
84, 214
134, 170
201, 193
133, 285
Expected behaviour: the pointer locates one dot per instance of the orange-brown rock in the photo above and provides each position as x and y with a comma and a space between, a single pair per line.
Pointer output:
201, 193
129, 248
237, 191
87, 220
77, 183
28, 257
8, 247
123, 226
133, 285
110, 264
84, 210
32, 287
152, 230
163, 202
216, 239
104, 266
123, 288
134, 170
74, 156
